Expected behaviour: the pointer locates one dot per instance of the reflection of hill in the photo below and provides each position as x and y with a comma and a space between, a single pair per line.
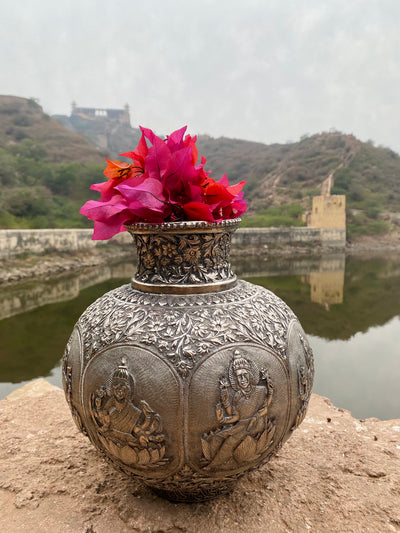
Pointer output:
21, 298
371, 298
263, 265
32, 343
18, 299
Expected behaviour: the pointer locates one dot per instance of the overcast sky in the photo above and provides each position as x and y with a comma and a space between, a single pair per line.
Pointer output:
261, 70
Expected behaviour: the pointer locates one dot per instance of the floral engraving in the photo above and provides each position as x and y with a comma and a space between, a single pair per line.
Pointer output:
305, 377
183, 258
67, 384
244, 430
130, 432
186, 328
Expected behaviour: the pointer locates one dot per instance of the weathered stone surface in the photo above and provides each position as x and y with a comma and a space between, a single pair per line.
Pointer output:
335, 474
53, 265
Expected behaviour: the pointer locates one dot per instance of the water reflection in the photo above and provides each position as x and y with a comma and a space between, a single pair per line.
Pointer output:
325, 276
348, 307
24, 297
326, 288
362, 373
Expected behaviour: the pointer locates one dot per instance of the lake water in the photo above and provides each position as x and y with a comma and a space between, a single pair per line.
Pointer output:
349, 308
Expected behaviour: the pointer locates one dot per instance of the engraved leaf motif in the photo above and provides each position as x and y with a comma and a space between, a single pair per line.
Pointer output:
162, 452
262, 441
143, 457
155, 456
206, 449
246, 450
128, 455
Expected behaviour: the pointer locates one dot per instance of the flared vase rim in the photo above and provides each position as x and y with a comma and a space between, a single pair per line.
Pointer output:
185, 225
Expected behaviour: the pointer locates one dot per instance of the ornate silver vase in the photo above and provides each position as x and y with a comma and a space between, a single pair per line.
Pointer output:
187, 378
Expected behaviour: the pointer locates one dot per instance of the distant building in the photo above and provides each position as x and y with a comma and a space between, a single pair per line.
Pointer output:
121, 116
328, 210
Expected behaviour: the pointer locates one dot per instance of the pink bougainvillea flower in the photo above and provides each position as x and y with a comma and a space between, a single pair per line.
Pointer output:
232, 210
220, 195
157, 159
138, 156
181, 176
146, 197
215, 193
163, 183
175, 140
109, 217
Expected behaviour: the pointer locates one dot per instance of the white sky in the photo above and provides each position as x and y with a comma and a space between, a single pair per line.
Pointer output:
261, 70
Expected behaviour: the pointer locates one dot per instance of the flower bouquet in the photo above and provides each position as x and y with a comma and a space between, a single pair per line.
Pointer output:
164, 183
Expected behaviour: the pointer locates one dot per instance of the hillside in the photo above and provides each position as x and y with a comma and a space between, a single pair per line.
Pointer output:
23, 119
279, 172
281, 177
45, 170
47, 166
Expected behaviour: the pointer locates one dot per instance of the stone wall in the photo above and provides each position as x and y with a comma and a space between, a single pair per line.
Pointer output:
292, 236
14, 242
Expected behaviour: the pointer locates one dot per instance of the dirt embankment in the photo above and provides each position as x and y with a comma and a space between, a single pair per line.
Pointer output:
335, 474
368, 246
51, 265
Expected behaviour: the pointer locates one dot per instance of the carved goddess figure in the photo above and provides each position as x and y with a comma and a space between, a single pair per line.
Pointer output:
244, 431
128, 431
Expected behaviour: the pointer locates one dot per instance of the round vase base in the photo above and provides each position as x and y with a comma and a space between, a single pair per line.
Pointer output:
194, 494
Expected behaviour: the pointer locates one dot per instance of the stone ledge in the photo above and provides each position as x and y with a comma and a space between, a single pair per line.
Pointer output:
335, 474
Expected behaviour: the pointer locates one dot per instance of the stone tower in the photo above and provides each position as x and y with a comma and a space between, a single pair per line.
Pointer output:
328, 210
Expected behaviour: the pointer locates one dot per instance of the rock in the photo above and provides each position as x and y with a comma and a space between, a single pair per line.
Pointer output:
38, 387
335, 474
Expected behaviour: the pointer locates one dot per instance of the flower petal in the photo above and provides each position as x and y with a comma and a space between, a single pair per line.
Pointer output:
149, 193
157, 159
175, 140
198, 211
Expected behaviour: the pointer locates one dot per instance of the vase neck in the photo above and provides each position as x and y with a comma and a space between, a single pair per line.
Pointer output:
185, 257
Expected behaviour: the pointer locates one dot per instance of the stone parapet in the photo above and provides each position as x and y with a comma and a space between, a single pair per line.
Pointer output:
290, 236
14, 242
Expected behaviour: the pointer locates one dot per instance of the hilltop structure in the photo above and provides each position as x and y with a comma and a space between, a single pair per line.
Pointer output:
121, 116
108, 129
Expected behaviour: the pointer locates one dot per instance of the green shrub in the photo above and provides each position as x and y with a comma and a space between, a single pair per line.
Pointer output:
283, 215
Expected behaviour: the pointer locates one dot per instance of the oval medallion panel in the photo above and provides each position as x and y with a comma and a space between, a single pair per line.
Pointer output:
238, 409
132, 415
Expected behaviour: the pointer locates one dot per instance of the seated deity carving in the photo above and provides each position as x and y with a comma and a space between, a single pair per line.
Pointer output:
244, 430
129, 431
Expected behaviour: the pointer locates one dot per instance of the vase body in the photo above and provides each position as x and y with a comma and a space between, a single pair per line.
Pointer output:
187, 378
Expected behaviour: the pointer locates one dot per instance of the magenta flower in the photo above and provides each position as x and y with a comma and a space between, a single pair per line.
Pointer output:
164, 183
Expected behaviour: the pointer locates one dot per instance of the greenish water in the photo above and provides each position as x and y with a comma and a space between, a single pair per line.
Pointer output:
350, 310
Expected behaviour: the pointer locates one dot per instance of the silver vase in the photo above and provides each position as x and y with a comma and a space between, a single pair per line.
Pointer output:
187, 377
